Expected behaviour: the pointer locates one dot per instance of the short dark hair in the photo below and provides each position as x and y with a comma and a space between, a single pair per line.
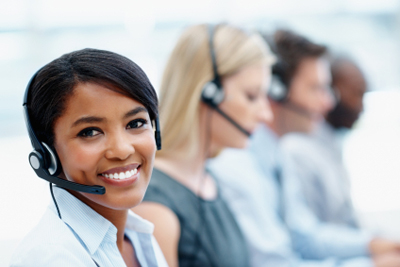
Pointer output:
337, 62
290, 49
55, 83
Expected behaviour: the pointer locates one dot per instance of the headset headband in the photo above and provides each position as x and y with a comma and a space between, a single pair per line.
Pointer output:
211, 32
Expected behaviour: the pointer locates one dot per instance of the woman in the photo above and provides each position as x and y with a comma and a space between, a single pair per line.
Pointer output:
92, 112
192, 222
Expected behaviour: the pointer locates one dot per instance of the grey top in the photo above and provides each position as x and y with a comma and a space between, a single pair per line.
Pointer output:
210, 235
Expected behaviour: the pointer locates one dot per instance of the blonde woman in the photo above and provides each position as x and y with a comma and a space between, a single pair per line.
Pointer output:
193, 225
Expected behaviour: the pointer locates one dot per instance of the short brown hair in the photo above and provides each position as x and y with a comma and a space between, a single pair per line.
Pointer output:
290, 49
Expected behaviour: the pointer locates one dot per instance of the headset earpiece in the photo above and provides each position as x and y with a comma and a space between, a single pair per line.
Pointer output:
54, 166
212, 94
36, 160
157, 133
278, 92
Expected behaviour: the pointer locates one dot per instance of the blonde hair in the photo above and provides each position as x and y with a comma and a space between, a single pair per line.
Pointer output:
189, 68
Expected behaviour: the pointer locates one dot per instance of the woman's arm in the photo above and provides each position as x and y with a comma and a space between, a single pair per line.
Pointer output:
167, 229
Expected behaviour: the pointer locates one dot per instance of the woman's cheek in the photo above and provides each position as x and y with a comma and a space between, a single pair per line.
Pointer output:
83, 156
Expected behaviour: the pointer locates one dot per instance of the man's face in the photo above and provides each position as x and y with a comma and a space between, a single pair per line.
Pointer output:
310, 93
350, 85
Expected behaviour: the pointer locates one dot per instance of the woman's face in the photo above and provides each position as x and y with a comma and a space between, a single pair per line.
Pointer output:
245, 102
105, 138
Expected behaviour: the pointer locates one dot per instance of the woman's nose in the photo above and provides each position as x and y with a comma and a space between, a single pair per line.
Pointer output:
119, 146
265, 114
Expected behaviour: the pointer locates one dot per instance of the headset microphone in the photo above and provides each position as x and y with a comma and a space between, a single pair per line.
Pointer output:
298, 109
213, 93
234, 123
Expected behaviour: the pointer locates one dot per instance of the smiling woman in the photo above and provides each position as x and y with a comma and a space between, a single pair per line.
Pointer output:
89, 116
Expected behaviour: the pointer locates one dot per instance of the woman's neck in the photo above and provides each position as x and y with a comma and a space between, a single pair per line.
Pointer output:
117, 217
190, 171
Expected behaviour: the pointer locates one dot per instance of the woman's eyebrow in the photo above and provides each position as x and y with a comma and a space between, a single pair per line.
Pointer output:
87, 120
135, 111
92, 119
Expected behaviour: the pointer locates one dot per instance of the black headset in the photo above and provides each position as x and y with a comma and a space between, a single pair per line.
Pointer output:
45, 161
279, 89
212, 93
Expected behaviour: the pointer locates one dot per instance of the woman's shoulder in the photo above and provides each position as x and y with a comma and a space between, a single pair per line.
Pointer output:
162, 184
167, 191
50, 243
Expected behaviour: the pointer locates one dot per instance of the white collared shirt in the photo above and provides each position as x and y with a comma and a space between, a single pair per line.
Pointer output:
84, 238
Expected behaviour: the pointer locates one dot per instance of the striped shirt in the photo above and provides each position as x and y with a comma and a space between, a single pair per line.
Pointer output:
84, 238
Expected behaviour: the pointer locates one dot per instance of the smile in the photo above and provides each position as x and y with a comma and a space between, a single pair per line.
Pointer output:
121, 175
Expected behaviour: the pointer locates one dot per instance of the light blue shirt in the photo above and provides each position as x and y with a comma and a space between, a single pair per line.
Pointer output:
279, 229
317, 161
83, 238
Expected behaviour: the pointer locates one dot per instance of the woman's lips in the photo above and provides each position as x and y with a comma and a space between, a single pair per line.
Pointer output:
121, 176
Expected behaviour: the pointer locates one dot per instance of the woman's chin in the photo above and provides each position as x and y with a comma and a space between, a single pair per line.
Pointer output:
240, 143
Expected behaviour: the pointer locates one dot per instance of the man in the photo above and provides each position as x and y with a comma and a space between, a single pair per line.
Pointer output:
317, 157
262, 191
349, 84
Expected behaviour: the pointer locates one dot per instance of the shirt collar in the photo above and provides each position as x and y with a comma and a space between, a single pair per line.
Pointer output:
264, 138
90, 227
138, 224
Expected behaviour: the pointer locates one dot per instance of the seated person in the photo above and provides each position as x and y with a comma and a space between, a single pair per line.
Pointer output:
211, 97
262, 190
89, 116
317, 156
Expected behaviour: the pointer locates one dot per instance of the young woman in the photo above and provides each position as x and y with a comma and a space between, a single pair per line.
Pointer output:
192, 222
91, 112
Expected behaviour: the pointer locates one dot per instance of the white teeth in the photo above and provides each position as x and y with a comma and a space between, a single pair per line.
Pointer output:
121, 175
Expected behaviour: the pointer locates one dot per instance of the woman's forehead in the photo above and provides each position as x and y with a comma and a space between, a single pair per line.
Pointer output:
96, 98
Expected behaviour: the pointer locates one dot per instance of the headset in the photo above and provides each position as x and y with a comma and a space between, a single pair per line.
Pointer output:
212, 93
279, 90
45, 162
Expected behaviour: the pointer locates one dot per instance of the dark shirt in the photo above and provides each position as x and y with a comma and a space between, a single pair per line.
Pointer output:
210, 235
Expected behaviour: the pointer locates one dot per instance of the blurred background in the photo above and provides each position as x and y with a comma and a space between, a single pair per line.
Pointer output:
34, 32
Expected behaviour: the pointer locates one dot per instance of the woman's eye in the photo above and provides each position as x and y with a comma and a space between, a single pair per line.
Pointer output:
137, 123
89, 132
251, 97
